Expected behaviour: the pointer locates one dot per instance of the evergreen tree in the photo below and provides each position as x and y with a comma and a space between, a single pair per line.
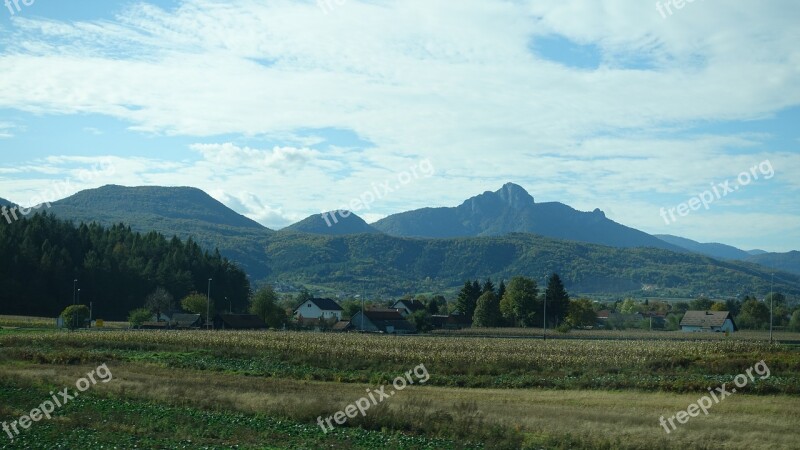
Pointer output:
557, 300
488, 286
501, 290
468, 298
115, 268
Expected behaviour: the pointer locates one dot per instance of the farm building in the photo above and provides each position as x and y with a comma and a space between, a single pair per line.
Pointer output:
181, 320
312, 310
239, 322
708, 321
408, 307
388, 321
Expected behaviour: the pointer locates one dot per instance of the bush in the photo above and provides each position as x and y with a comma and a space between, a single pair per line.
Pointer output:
139, 316
75, 316
563, 328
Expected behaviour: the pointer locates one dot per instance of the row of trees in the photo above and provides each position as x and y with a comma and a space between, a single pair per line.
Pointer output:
521, 304
264, 303
749, 313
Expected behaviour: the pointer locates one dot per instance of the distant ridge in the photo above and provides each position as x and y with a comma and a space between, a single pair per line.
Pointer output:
512, 209
714, 250
117, 203
344, 222
789, 262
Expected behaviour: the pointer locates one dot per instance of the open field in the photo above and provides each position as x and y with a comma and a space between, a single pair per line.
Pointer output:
266, 389
27, 322
746, 335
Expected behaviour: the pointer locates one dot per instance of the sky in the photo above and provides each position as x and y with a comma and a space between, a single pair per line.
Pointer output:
682, 121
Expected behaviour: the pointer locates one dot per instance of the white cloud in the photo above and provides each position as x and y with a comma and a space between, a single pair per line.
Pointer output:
452, 81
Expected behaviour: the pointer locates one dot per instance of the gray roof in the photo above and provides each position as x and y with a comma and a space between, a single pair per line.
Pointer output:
324, 304
185, 320
411, 305
383, 318
705, 319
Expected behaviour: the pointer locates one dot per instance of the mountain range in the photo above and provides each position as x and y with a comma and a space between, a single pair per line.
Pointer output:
512, 209
497, 234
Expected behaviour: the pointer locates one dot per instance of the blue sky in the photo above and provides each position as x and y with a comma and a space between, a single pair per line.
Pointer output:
282, 109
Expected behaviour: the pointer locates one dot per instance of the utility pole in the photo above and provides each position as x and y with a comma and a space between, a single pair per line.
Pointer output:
545, 309
75, 316
208, 306
771, 302
74, 285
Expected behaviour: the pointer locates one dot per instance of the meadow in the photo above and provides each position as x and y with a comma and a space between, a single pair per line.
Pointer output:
266, 390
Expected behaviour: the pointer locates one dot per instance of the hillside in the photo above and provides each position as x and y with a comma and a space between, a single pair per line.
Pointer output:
4, 202
394, 266
789, 262
343, 223
181, 211
510, 210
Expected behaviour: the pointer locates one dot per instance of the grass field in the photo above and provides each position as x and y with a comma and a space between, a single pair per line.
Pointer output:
266, 389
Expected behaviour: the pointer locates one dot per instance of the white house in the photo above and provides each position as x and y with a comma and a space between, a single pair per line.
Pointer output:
708, 321
318, 308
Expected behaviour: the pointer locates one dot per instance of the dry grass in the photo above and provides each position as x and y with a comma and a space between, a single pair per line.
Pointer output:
746, 335
630, 418
27, 322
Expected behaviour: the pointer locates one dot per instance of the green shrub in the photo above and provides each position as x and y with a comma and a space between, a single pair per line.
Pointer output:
139, 316
75, 316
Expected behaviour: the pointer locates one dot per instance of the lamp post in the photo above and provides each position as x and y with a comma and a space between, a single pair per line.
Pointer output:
771, 301
545, 308
75, 315
208, 305
74, 285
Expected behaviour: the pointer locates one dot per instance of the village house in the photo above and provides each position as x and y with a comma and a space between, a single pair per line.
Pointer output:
720, 321
313, 310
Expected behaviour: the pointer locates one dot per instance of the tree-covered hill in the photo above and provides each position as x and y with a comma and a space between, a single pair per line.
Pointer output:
173, 211
116, 268
394, 266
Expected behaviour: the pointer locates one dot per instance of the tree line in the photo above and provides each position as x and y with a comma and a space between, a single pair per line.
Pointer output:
115, 268
521, 304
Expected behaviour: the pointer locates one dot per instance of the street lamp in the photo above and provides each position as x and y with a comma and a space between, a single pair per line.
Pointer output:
545, 308
208, 304
74, 285
771, 301
75, 315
